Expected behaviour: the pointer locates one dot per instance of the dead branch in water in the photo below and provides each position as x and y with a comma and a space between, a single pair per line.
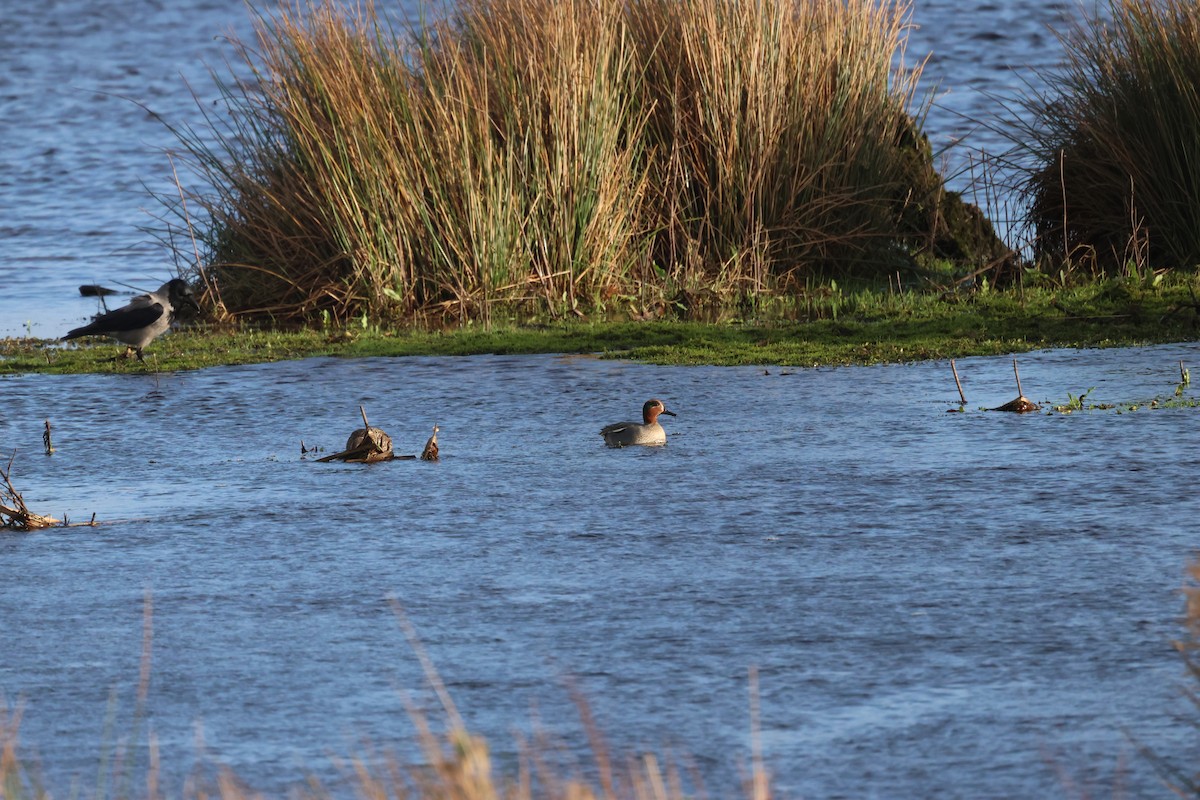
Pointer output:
14, 514
958, 383
46, 439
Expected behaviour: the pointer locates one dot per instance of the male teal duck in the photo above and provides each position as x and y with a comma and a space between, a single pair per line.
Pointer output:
648, 432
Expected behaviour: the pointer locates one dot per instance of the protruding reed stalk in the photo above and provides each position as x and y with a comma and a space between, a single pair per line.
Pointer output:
958, 383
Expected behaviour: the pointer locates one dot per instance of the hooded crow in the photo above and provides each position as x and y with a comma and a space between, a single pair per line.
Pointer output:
144, 319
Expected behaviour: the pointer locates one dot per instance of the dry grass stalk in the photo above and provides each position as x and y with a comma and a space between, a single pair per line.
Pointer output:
958, 383
456, 765
1184, 780
1190, 644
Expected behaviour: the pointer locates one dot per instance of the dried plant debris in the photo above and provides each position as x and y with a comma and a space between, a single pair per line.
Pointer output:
1080, 402
430, 453
14, 514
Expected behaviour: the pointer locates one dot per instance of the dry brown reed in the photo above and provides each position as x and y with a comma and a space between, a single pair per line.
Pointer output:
554, 157
778, 128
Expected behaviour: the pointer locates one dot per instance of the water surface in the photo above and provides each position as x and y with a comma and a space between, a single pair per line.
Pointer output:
950, 605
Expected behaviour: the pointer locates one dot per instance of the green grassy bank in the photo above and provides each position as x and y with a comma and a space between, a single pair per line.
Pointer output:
851, 328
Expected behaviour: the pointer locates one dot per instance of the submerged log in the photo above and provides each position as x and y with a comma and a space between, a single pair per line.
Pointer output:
1022, 405
367, 444
364, 445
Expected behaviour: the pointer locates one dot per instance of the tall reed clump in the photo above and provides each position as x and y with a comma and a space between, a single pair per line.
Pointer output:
1113, 145
779, 130
557, 158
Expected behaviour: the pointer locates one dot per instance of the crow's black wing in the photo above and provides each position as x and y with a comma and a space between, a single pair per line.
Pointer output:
130, 318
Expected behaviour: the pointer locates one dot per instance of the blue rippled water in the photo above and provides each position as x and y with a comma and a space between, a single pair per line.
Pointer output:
938, 605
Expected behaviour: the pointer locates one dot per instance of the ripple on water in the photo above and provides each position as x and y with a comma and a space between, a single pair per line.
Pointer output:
930, 597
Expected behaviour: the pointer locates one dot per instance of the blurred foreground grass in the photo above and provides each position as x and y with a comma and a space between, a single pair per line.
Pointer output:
450, 762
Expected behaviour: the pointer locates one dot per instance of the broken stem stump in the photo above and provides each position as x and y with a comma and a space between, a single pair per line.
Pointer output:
958, 383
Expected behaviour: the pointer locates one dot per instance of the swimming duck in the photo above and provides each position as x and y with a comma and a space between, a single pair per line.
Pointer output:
144, 319
648, 432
